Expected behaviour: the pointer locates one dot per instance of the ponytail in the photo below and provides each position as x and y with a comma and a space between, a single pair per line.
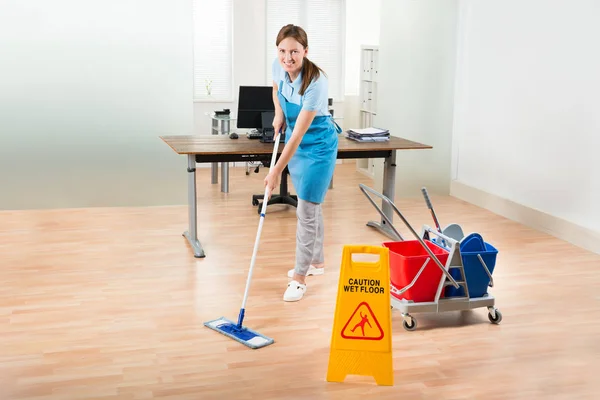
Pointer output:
310, 72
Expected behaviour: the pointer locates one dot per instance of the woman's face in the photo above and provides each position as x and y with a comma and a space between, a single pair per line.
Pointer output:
291, 54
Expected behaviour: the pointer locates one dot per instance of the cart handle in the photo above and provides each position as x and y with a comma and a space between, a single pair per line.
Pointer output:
439, 234
363, 188
387, 200
405, 288
487, 271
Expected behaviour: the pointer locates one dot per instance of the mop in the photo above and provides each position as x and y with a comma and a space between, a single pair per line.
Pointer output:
237, 331
428, 202
453, 230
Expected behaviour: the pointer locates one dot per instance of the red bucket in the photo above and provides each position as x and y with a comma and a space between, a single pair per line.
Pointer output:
406, 259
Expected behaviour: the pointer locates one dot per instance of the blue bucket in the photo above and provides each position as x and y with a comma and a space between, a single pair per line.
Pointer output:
477, 279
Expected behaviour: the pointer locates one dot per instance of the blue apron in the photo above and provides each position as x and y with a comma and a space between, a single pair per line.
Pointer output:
312, 165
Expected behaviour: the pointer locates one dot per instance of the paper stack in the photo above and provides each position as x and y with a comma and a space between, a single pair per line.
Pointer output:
368, 135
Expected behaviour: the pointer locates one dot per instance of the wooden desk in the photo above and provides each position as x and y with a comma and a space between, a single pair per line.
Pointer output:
211, 149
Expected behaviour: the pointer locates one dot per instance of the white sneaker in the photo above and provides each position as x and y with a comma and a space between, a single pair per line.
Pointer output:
294, 291
311, 271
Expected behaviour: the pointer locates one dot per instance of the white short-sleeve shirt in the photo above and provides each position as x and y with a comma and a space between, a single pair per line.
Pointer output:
315, 96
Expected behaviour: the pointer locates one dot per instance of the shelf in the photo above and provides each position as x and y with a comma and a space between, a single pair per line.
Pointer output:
369, 78
368, 92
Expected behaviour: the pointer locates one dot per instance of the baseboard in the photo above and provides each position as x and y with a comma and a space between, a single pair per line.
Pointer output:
547, 223
365, 173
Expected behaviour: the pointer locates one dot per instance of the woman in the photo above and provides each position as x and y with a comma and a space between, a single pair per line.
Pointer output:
310, 152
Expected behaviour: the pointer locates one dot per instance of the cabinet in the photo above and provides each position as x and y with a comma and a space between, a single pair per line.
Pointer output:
369, 80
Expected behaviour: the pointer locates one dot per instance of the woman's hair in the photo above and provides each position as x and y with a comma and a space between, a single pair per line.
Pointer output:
310, 71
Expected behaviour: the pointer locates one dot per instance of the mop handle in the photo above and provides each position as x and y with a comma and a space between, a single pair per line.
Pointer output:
428, 202
260, 225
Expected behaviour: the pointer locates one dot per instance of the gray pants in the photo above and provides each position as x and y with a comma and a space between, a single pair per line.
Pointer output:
309, 236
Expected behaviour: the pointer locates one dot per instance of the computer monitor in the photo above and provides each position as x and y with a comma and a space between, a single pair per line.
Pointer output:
253, 101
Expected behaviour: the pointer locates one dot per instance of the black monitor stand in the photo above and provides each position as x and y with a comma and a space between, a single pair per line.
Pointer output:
284, 197
266, 130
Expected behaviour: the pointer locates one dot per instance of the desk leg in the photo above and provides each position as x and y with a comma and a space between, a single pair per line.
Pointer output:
225, 177
214, 173
389, 187
225, 165
192, 234
214, 167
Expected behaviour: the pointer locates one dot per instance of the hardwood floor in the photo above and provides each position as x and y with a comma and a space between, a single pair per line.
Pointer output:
109, 304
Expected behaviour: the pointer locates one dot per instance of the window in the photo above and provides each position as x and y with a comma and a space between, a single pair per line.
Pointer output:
213, 50
324, 24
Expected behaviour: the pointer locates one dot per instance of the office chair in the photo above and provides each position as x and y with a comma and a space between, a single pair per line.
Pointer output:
284, 197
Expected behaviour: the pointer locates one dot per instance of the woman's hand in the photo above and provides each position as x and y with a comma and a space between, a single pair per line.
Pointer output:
278, 123
271, 181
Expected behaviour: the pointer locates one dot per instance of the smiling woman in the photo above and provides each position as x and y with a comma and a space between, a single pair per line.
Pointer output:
300, 96
292, 47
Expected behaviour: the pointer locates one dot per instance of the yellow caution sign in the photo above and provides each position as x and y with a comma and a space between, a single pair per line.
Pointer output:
361, 341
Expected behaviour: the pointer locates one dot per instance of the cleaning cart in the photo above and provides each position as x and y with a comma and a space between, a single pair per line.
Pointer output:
427, 275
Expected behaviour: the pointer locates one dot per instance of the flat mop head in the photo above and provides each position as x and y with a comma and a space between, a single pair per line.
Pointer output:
245, 336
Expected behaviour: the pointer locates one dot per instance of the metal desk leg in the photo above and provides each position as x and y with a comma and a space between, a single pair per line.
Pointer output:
214, 167
225, 165
192, 234
389, 186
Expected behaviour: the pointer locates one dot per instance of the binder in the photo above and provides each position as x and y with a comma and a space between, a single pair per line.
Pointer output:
370, 134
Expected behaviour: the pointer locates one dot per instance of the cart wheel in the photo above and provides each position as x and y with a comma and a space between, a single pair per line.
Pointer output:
412, 326
497, 319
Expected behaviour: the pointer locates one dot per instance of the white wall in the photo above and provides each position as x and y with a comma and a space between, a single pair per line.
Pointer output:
527, 120
416, 89
86, 88
363, 19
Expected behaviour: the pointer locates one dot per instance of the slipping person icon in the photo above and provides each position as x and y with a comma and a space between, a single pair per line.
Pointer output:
363, 321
